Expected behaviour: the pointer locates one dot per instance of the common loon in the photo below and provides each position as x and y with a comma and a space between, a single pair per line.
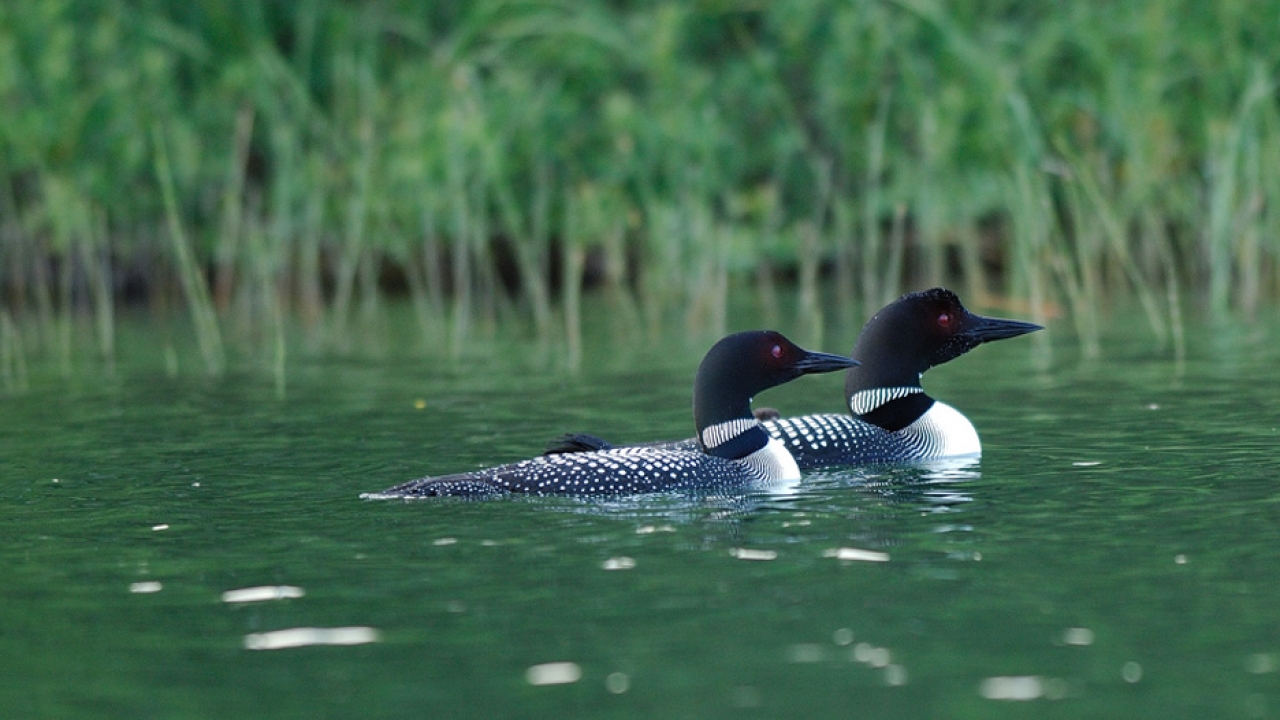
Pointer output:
731, 450
892, 418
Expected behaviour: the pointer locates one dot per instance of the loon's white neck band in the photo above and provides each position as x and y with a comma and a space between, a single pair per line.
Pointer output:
771, 463
716, 435
864, 401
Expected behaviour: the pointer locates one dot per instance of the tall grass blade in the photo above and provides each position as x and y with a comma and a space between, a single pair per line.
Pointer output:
573, 257
13, 362
208, 336
232, 209
876, 286
96, 257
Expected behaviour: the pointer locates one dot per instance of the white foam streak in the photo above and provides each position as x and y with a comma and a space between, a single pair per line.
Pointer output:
304, 636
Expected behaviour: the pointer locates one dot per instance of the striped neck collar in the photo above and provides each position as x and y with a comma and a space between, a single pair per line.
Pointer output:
892, 408
733, 439
866, 401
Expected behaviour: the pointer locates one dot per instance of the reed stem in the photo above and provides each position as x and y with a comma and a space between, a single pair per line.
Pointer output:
208, 336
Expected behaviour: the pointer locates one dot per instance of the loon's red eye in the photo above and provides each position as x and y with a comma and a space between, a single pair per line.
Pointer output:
944, 320
776, 351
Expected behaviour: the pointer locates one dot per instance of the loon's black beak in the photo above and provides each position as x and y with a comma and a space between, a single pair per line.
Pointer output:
984, 329
816, 362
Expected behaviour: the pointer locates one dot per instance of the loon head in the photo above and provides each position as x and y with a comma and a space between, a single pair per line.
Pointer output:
734, 370
907, 337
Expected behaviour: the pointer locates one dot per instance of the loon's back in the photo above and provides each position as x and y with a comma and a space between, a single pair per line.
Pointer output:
615, 471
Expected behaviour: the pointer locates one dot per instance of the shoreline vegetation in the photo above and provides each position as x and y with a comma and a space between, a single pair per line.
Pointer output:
266, 165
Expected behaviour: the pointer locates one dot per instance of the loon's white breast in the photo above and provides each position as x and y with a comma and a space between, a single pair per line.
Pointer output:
775, 468
946, 432
775, 462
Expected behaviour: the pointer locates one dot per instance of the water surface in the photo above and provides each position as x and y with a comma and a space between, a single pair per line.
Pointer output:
1113, 554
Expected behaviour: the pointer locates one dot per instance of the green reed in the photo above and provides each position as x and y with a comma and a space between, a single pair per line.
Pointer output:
276, 166
13, 363
208, 336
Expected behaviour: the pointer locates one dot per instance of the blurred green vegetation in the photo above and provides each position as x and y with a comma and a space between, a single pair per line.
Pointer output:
296, 162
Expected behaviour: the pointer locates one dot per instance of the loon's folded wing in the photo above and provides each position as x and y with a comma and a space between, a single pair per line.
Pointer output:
582, 442
576, 443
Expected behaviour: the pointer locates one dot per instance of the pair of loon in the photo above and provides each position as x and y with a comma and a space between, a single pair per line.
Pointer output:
891, 417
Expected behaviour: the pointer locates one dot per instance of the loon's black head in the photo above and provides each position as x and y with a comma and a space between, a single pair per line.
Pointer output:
916, 332
741, 365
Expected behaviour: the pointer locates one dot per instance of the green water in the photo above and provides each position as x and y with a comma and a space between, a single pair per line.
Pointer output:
1113, 555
